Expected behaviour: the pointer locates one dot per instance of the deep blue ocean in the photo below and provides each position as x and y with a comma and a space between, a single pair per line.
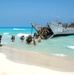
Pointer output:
61, 46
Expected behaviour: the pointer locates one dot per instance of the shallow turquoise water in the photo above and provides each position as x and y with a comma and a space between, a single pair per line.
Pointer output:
60, 46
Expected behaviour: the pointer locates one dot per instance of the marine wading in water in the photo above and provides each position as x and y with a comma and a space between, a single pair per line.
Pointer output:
22, 37
13, 38
0, 40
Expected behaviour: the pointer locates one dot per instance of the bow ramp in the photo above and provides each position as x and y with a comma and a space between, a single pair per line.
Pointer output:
46, 32
37, 27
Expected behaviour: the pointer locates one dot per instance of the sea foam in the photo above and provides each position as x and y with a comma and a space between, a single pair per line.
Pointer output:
71, 47
6, 33
20, 34
19, 29
62, 55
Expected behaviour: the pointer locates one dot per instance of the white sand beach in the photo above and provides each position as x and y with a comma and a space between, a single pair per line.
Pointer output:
19, 62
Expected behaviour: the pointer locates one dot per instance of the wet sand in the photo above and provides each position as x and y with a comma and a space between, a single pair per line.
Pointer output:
20, 62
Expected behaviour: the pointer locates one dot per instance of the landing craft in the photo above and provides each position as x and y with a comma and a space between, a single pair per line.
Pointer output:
56, 29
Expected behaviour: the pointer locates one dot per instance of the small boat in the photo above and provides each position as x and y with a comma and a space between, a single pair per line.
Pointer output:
56, 29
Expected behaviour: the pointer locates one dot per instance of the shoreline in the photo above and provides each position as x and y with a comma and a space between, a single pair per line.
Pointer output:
29, 56
52, 62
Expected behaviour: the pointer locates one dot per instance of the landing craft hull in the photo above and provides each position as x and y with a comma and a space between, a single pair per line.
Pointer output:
56, 29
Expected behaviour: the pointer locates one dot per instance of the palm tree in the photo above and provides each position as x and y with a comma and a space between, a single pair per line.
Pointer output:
13, 38
0, 40
22, 37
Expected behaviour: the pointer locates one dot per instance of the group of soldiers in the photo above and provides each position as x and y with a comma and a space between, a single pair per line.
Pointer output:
29, 39
44, 32
41, 35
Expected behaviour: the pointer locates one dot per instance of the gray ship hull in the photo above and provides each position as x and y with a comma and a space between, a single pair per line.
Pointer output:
56, 29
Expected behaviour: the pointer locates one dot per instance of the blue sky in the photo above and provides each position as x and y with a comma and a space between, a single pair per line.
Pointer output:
24, 12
